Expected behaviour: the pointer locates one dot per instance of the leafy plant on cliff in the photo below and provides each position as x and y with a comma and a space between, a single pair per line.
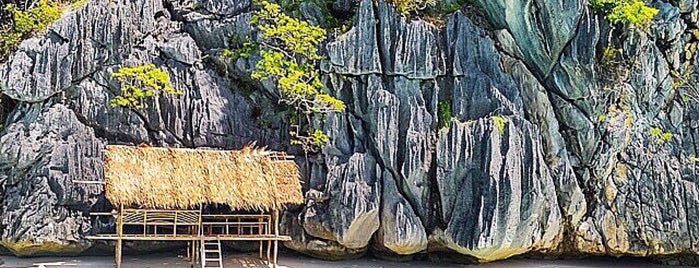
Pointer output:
659, 136
443, 114
408, 6
24, 23
499, 122
289, 57
684, 81
613, 68
140, 82
431, 11
629, 12
242, 47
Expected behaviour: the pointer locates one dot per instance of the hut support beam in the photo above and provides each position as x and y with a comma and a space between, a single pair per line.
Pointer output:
120, 232
259, 230
276, 233
276, 249
269, 248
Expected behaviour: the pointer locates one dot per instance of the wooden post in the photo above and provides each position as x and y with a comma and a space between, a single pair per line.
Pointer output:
194, 253
189, 254
202, 252
174, 227
269, 251
276, 235
268, 231
120, 232
259, 230
145, 223
200, 228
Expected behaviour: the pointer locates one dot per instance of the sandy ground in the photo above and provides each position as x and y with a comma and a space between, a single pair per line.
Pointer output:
242, 260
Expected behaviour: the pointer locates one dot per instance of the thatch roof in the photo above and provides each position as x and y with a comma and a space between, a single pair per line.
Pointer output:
248, 179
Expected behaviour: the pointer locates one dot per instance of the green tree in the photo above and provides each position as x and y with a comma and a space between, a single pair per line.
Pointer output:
289, 57
629, 12
140, 82
24, 23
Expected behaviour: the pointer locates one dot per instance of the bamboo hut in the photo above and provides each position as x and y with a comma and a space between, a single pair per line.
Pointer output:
159, 194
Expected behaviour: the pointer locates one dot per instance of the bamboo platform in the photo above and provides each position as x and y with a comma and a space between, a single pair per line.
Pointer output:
196, 228
183, 237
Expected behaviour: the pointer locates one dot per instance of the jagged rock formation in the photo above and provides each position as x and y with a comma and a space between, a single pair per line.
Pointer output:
549, 150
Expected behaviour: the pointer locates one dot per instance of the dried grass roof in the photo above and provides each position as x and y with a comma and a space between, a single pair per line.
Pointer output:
167, 178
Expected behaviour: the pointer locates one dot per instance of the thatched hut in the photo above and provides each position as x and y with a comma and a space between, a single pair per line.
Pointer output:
161, 191
167, 178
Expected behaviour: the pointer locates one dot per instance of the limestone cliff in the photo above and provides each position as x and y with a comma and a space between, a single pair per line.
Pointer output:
541, 154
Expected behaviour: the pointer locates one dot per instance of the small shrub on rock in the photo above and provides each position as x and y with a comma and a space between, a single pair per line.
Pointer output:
140, 82
24, 23
630, 12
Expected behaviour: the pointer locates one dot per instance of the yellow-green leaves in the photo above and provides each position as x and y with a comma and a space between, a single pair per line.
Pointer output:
499, 122
292, 35
9, 40
289, 55
632, 12
36, 18
243, 48
407, 6
139, 82
660, 136
629, 12
26, 22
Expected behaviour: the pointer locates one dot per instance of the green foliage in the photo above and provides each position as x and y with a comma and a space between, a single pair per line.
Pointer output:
660, 136
499, 122
293, 7
443, 114
316, 138
26, 22
408, 6
243, 47
449, 7
139, 82
78, 4
287, 33
289, 56
601, 117
629, 12
612, 68
35, 18
685, 81
9, 40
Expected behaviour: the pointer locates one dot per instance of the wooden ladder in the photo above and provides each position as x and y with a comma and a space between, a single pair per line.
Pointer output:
211, 253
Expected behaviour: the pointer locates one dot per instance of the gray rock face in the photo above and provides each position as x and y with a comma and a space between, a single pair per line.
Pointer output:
350, 205
497, 194
541, 28
397, 123
542, 154
356, 51
540, 111
401, 232
44, 212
